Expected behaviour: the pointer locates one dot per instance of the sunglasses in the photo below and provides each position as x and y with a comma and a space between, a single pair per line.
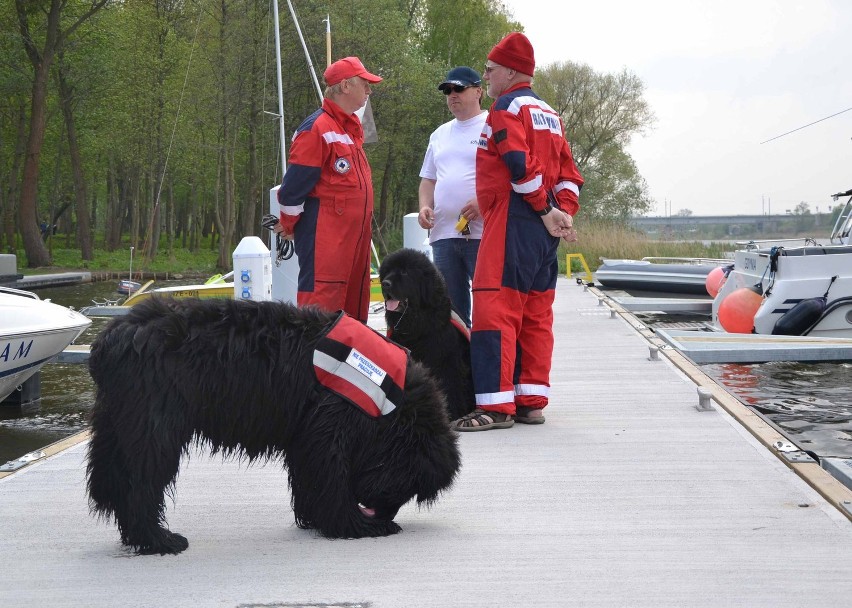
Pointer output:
454, 89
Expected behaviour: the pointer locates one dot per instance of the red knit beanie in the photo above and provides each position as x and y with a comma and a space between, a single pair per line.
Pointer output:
515, 52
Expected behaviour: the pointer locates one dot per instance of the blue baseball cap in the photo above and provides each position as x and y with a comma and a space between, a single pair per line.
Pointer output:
461, 76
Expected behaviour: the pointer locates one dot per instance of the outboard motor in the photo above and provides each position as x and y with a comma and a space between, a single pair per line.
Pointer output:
803, 316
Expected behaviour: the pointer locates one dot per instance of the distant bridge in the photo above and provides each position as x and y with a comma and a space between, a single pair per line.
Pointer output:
692, 220
761, 223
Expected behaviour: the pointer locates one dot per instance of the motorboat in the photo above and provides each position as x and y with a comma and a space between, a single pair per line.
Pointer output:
216, 286
127, 287
32, 332
658, 274
789, 289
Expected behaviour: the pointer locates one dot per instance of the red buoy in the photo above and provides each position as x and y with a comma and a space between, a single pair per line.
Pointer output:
737, 310
714, 281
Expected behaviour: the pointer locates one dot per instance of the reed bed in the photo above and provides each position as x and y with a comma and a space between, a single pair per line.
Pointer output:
609, 240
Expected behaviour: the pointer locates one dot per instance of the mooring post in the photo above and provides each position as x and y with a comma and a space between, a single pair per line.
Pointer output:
705, 395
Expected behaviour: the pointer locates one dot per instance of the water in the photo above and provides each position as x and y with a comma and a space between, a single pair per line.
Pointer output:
810, 403
67, 391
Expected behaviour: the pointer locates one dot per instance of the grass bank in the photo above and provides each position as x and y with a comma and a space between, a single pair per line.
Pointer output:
201, 263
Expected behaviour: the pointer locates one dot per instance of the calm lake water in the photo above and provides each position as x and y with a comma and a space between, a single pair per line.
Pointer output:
810, 403
67, 392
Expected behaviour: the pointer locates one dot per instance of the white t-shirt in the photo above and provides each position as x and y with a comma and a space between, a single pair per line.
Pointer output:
451, 161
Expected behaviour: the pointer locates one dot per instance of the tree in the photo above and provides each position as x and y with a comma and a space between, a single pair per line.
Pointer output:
601, 113
41, 58
460, 33
804, 219
66, 96
802, 209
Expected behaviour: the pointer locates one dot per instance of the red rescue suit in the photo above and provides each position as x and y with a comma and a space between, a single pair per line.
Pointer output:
326, 201
523, 165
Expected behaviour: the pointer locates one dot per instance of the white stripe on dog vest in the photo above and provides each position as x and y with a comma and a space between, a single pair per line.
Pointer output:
362, 366
357, 378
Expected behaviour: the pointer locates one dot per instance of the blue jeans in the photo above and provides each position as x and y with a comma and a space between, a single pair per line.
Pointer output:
456, 259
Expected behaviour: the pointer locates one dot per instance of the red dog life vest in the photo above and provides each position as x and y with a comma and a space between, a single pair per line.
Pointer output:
362, 366
455, 321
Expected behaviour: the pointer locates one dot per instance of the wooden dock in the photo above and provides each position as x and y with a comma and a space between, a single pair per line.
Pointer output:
627, 496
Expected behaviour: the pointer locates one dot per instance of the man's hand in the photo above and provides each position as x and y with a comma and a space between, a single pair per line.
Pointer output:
557, 222
279, 230
470, 211
560, 224
426, 218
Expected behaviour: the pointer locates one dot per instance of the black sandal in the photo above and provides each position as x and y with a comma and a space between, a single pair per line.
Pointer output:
481, 420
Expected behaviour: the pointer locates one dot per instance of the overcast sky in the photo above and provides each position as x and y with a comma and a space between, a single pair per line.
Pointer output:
721, 76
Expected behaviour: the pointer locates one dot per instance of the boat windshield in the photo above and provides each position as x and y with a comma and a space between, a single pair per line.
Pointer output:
843, 225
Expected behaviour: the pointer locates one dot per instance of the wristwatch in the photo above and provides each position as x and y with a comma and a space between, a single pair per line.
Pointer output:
545, 211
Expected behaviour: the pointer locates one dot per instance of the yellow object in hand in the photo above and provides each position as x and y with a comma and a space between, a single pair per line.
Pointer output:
462, 224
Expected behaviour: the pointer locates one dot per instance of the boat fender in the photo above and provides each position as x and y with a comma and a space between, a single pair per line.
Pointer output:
716, 279
737, 311
795, 321
804, 315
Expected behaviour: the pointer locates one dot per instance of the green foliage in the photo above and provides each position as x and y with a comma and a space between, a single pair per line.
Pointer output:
462, 33
172, 101
601, 112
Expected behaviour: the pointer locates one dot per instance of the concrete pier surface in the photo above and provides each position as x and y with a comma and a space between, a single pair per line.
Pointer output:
627, 496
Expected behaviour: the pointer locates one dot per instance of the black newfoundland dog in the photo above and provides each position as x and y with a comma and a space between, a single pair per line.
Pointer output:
420, 318
359, 435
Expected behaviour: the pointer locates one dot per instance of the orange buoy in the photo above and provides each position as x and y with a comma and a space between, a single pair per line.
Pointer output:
737, 310
714, 281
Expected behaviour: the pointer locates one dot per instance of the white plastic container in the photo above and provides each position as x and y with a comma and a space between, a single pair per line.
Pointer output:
252, 270
414, 236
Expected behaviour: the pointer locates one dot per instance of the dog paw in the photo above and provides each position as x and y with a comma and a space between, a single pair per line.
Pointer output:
169, 543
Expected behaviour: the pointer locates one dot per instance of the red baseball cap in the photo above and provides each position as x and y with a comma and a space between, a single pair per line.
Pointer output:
348, 67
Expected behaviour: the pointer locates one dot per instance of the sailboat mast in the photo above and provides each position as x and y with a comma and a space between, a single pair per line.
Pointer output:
327, 40
280, 87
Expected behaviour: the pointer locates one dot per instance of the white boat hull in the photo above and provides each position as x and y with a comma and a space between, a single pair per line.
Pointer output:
802, 273
32, 332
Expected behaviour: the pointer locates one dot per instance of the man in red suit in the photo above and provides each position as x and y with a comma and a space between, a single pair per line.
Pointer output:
326, 197
528, 187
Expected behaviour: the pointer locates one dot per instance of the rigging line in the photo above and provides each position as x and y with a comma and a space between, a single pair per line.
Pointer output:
305, 48
808, 125
177, 113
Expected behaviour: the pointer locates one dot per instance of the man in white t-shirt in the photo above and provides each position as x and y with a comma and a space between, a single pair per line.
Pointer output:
448, 207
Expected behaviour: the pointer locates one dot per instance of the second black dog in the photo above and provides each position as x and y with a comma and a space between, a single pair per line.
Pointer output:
420, 317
